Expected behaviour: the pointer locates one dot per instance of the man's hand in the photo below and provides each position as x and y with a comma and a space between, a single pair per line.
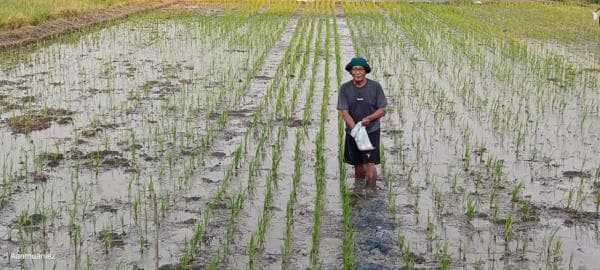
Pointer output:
365, 121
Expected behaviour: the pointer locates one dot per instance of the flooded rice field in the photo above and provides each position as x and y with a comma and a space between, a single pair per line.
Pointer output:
206, 137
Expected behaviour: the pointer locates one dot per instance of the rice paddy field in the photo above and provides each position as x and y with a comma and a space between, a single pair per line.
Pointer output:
205, 136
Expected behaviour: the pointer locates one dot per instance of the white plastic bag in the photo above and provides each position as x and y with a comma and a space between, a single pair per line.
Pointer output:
595, 15
360, 135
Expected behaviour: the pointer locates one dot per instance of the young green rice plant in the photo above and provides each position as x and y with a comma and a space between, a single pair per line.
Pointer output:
235, 205
467, 157
445, 258
493, 195
429, 227
409, 176
526, 211
453, 182
581, 195
524, 244
570, 195
556, 248
416, 203
470, 212
516, 191
508, 228
407, 255
497, 171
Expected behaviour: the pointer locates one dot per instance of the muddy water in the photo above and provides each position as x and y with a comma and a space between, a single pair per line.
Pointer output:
430, 152
122, 115
142, 94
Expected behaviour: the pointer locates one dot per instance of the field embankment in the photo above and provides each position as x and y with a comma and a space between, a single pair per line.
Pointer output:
22, 23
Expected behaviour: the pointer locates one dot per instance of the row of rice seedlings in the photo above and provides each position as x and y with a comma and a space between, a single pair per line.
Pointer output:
205, 141
432, 55
320, 162
348, 257
192, 247
467, 89
220, 255
289, 222
257, 238
235, 206
439, 199
553, 63
189, 169
311, 87
519, 135
184, 175
467, 152
112, 77
289, 56
222, 252
305, 25
471, 203
144, 90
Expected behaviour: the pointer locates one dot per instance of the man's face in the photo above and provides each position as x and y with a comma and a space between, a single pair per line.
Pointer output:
358, 73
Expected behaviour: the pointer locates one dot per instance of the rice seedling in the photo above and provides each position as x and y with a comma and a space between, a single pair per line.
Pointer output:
516, 191
570, 195
445, 258
508, 228
470, 212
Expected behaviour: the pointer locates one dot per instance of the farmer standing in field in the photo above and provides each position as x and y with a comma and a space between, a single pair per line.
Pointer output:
362, 100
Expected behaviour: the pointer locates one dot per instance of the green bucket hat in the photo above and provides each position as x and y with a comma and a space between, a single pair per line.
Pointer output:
358, 61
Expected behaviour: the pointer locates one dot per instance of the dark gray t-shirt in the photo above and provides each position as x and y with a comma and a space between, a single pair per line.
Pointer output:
372, 93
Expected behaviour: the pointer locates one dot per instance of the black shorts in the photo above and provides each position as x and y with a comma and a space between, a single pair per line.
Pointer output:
354, 156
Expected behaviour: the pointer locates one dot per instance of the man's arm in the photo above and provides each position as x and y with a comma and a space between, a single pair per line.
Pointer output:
372, 117
348, 119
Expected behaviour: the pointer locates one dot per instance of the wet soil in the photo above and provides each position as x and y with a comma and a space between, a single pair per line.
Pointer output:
108, 195
39, 120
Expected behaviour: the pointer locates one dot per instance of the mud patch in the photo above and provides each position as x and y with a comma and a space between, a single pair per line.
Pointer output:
91, 132
30, 222
40, 177
375, 231
107, 158
27, 99
111, 239
573, 174
105, 208
295, 123
24, 124
51, 159
573, 216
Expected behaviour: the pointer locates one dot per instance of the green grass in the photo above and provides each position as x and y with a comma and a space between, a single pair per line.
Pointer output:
17, 13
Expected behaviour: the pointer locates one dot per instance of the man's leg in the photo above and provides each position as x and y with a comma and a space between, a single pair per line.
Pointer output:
371, 174
360, 172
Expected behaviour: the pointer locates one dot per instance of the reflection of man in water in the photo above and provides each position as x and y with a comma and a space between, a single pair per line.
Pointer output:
363, 100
